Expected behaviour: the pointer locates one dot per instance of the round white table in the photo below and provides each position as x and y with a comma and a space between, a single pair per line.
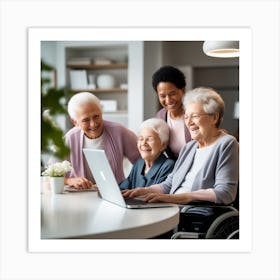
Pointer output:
85, 215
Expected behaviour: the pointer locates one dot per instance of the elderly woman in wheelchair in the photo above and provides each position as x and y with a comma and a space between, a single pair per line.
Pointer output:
207, 169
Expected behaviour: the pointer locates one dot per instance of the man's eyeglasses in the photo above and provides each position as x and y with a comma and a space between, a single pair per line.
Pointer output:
195, 116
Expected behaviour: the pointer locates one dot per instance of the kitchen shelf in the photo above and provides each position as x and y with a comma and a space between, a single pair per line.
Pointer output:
99, 66
81, 75
119, 112
101, 90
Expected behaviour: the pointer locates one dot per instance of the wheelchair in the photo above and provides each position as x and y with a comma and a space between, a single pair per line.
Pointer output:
204, 220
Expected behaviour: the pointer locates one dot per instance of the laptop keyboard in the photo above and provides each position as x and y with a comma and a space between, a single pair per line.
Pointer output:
135, 201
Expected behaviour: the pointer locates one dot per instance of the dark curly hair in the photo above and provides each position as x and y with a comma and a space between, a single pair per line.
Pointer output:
169, 74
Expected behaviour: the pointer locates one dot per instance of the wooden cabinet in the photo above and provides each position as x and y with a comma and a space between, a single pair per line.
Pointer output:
95, 67
127, 67
88, 64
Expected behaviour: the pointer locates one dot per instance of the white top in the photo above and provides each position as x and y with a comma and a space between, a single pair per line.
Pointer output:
176, 133
200, 158
85, 215
97, 143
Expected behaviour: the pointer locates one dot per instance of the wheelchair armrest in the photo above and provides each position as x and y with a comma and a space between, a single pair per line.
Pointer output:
206, 204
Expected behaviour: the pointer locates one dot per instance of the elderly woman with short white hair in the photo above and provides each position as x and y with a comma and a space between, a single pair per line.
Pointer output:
208, 166
153, 166
93, 132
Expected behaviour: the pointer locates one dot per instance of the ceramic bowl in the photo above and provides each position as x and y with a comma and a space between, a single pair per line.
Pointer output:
105, 81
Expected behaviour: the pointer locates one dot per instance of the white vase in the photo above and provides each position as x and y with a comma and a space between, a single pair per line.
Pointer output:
57, 184
105, 81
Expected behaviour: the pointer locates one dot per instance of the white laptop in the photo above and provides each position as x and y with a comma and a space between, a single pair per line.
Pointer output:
107, 184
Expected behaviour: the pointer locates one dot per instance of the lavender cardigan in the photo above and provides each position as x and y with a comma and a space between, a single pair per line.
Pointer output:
119, 142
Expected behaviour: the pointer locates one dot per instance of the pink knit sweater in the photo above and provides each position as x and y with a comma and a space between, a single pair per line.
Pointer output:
119, 142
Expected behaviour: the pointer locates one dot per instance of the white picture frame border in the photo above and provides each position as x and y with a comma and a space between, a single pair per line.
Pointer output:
243, 35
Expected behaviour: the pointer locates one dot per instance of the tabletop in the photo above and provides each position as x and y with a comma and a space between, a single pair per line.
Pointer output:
85, 215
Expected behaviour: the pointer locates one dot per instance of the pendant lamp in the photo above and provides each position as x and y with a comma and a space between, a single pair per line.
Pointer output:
221, 48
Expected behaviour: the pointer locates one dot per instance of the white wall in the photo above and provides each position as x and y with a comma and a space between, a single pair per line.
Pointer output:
152, 61
48, 52
191, 53
135, 85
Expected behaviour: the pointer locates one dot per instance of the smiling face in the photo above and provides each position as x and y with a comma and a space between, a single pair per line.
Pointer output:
89, 119
200, 124
170, 98
149, 145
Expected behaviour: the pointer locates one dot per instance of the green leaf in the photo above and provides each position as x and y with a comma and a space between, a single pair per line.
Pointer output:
52, 100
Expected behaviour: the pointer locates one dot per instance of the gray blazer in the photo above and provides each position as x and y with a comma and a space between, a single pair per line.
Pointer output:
220, 172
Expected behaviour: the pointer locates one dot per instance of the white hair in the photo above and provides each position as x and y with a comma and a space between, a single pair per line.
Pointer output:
159, 126
80, 99
212, 102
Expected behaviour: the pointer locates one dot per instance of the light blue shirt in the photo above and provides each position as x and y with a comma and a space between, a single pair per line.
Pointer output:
157, 173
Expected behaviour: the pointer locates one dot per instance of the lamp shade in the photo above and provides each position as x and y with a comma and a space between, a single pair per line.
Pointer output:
221, 48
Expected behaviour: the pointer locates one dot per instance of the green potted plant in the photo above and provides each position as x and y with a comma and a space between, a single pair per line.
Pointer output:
52, 105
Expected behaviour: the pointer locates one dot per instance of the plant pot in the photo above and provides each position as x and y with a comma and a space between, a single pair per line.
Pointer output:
57, 184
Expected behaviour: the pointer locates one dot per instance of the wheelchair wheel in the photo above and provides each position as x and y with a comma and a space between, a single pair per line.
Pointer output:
225, 227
